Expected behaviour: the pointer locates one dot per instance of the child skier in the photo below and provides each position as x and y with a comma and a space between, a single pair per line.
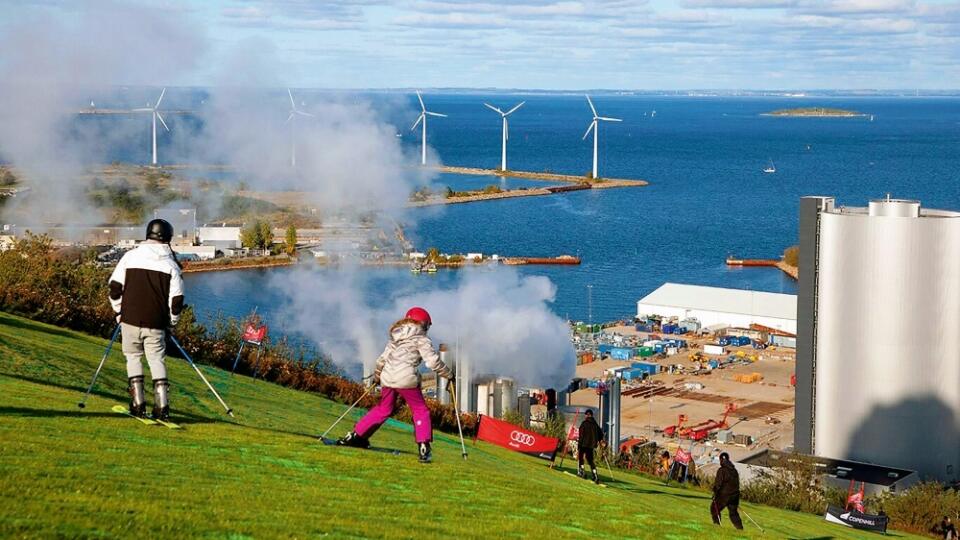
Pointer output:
146, 292
398, 376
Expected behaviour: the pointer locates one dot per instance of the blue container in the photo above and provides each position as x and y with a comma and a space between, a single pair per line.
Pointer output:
644, 367
659, 348
593, 383
621, 353
714, 364
602, 349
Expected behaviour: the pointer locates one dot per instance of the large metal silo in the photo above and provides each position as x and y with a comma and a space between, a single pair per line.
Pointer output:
878, 352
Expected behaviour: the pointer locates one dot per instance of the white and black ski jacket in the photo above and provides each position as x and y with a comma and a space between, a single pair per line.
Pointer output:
146, 288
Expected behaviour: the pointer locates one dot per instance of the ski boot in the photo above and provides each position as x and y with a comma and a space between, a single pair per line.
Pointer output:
138, 404
161, 406
596, 477
353, 440
580, 471
423, 450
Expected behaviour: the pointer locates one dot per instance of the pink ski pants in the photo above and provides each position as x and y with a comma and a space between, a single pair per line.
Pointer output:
375, 417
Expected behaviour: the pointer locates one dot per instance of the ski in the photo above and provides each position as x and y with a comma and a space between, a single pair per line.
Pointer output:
601, 484
391, 451
167, 423
123, 410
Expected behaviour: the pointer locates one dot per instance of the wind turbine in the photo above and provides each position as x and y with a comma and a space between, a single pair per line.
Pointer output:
424, 113
596, 127
156, 115
294, 112
506, 132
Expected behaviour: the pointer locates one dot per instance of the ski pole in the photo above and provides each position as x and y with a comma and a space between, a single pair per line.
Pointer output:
237, 361
83, 402
200, 373
609, 468
456, 410
752, 521
359, 399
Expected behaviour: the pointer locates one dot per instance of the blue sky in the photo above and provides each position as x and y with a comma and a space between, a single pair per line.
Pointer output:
564, 44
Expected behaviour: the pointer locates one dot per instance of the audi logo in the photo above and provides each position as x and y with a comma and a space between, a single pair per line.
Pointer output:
522, 438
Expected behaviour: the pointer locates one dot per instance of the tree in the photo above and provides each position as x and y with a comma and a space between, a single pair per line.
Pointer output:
433, 254
250, 236
792, 255
257, 235
266, 234
290, 242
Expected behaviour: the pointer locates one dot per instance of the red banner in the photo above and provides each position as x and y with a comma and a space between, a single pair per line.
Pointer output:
682, 456
516, 438
254, 335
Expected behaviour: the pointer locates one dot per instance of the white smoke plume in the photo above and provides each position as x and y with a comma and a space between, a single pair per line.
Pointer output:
49, 68
502, 321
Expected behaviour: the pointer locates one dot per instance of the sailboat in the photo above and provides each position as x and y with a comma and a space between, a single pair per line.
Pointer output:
771, 168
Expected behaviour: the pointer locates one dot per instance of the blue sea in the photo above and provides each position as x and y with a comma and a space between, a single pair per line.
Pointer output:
708, 197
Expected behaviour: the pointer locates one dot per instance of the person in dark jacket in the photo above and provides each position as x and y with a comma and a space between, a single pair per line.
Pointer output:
726, 492
588, 439
947, 529
146, 292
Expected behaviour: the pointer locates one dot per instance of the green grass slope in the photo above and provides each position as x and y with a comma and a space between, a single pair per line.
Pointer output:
83, 474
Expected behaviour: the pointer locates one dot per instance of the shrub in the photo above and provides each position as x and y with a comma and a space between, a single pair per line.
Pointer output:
919, 508
791, 255
796, 486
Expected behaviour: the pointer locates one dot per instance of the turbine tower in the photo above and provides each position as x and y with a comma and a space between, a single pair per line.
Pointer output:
424, 113
292, 120
596, 127
156, 115
506, 132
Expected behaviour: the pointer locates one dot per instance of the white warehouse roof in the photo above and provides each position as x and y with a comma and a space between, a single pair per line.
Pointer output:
717, 299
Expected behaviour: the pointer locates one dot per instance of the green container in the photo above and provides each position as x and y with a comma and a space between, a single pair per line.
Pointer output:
645, 351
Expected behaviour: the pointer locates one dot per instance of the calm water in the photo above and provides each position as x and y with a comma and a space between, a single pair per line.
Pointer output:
708, 197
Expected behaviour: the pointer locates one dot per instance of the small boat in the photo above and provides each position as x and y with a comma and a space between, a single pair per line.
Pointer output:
431, 268
771, 168
652, 114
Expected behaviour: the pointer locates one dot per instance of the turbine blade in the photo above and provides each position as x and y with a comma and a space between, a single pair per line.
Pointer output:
417, 123
142, 109
608, 119
160, 117
491, 107
162, 92
292, 104
592, 108
302, 113
289, 118
517, 107
592, 125
423, 107
435, 114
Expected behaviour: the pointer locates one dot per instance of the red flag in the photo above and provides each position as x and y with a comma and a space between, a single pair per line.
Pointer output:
856, 500
516, 438
682, 456
254, 335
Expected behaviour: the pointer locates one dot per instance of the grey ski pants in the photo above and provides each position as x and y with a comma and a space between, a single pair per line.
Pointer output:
138, 342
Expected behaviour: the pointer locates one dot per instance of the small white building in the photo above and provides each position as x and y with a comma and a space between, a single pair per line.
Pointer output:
715, 305
219, 237
416, 255
6, 242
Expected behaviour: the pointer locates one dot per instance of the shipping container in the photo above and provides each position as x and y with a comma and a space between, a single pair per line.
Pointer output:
714, 349
604, 349
646, 367
646, 352
620, 353
714, 364
783, 341
586, 358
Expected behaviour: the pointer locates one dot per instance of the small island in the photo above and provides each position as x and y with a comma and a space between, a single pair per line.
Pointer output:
815, 112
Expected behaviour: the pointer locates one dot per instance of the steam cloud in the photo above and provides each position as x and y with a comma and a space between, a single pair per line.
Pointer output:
501, 319
347, 158
47, 71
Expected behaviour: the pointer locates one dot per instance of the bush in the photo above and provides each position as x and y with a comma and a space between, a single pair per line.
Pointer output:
796, 487
791, 255
919, 508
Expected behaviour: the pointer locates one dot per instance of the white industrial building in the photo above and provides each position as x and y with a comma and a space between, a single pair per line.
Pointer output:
719, 306
219, 237
878, 348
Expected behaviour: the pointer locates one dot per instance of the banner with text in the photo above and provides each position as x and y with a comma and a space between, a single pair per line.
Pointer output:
857, 520
516, 438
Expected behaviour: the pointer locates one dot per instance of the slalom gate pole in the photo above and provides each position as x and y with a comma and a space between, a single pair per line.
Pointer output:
566, 444
200, 373
456, 410
346, 412
113, 338
237, 360
752, 521
609, 468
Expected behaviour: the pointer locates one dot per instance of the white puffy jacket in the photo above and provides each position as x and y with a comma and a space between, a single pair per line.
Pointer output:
409, 345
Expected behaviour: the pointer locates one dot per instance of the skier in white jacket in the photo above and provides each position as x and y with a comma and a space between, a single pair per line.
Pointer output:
397, 373
146, 292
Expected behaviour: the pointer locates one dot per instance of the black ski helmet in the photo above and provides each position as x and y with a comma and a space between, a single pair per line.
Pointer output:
160, 230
